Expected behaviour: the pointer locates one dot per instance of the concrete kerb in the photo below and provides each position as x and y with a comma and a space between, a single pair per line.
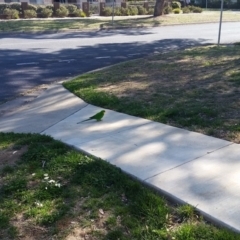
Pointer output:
170, 197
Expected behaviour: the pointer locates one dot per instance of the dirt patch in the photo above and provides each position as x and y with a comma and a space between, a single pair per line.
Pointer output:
9, 156
87, 233
81, 227
27, 230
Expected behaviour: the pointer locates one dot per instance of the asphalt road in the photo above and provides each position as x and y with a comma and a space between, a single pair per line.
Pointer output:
28, 60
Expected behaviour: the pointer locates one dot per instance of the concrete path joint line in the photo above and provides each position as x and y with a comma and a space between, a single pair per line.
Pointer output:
187, 162
64, 118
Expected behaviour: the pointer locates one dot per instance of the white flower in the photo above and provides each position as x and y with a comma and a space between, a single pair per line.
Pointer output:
58, 185
39, 204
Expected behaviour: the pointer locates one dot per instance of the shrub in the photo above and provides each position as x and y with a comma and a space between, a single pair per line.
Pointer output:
50, 7
186, 10
176, 10
94, 9
40, 8
141, 10
151, 11
61, 12
176, 4
32, 7
11, 13
16, 6
107, 11
118, 12
30, 14
45, 12
133, 10
3, 6
191, 7
167, 10
79, 13
124, 12
197, 10
71, 8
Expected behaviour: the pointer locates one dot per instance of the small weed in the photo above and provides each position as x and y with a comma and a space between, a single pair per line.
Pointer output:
186, 211
115, 234
208, 63
4, 221
235, 77
111, 222
7, 169
14, 186
201, 231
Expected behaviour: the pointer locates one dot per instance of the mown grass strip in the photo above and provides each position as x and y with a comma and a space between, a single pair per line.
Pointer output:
106, 22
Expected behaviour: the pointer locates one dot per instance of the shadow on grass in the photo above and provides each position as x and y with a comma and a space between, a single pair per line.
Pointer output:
84, 186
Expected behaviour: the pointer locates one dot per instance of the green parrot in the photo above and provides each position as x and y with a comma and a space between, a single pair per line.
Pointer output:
98, 116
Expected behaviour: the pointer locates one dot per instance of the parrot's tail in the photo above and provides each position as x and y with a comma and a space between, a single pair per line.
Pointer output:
83, 121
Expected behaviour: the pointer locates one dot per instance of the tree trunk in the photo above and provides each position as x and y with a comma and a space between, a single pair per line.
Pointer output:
158, 9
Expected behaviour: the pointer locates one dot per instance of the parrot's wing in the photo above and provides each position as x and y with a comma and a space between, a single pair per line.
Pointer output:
101, 116
97, 116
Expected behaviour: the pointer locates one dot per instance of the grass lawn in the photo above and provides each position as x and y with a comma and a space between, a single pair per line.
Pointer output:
106, 22
50, 191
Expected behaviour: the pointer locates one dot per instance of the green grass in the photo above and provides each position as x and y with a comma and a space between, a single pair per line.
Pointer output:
106, 22
196, 89
45, 25
75, 195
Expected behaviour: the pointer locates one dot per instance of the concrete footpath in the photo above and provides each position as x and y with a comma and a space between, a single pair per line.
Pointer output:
189, 167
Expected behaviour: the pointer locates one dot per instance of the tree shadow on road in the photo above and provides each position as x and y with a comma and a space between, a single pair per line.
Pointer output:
24, 70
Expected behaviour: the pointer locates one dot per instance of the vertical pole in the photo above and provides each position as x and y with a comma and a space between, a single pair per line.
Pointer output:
113, 11
220, 23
